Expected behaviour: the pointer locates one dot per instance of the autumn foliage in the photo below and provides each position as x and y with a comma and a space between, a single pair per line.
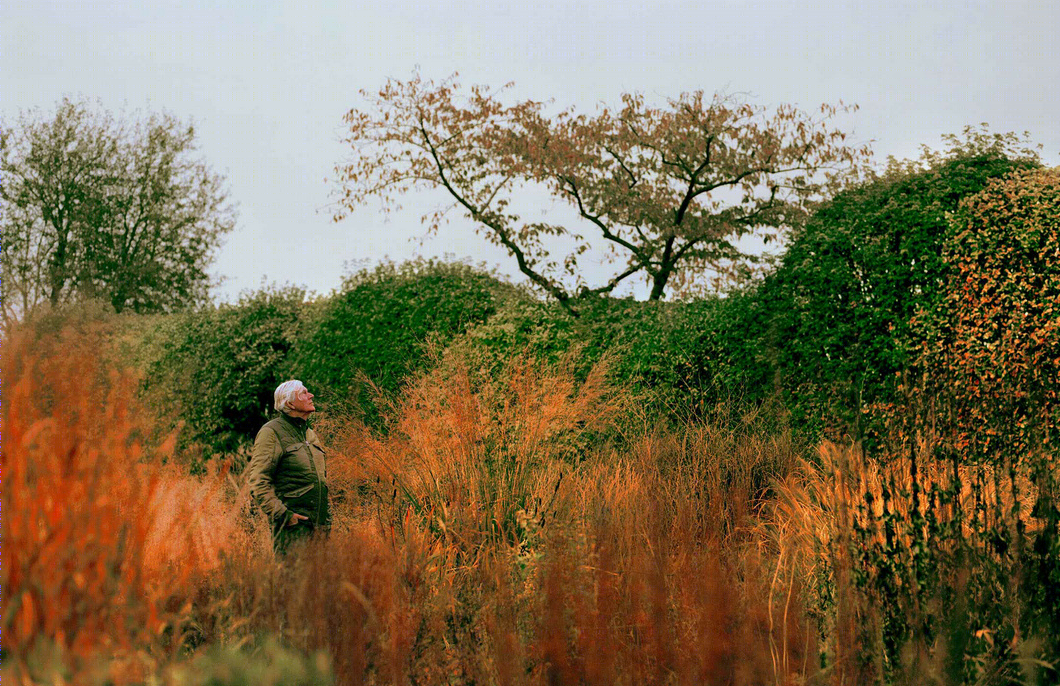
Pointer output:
523, 518
66, 515
526, 526
835, 316
993, 346
663, 192
102, 545
465, 536
522, 530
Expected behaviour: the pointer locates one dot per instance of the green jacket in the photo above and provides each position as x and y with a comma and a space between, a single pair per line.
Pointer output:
288, 473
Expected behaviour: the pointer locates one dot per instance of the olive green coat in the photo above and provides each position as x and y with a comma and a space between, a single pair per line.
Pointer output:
287, 474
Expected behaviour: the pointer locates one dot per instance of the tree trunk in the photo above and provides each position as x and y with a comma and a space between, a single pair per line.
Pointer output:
658, 285
57, 272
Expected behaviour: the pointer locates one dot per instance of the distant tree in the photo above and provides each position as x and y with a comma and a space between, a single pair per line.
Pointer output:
667, 190
106, 209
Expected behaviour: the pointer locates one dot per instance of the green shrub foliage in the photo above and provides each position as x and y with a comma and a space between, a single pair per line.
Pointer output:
992, 345
385, 320
216, 368
685, 356
968, 512
840, 302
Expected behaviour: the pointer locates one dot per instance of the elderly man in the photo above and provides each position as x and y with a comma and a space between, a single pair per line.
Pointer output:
287, 472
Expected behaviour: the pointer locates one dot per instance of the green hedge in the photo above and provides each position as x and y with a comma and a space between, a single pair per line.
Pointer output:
837, 309
826, 333
216, 369
828, 329
383, 324
686, 357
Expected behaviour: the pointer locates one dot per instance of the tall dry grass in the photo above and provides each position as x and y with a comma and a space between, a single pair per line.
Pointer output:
527, 528
924, 569
517, 530
102, 545
523, 530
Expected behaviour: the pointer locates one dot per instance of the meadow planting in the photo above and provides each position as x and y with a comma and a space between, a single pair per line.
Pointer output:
651, 493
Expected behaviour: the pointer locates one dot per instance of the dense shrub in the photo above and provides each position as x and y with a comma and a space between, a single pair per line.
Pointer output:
384, 321
838, 306
924, 572
216, 369
957, 498
685, 356
993, 342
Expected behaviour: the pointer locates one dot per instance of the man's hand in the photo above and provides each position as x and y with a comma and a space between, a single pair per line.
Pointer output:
295, 518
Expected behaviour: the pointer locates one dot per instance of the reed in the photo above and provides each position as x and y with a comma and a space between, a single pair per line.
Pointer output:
91, 523
530, 527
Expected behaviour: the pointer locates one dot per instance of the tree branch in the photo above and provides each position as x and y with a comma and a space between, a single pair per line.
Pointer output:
524, 266
633, 269
496, 190
691, 194
595, 219
746, 219
633, 180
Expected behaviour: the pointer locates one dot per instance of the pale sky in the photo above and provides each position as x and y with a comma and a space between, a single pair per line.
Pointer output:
266, 85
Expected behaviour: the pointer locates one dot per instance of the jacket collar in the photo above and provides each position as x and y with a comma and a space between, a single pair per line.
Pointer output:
297, 422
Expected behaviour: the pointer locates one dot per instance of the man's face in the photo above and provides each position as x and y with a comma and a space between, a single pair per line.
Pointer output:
303, 401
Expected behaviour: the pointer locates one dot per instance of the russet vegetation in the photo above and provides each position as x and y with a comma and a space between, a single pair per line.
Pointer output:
843, 473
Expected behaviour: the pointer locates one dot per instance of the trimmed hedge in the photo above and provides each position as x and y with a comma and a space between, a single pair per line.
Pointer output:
838, 307
216, 369
385, 322
825, 335
991, 347
687, 357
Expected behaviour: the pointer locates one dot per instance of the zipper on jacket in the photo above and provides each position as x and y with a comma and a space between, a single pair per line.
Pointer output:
313, 466
316, 473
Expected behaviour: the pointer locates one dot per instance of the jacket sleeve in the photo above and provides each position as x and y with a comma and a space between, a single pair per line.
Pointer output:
267, 452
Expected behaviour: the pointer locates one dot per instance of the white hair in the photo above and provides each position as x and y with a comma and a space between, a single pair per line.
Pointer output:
285, 392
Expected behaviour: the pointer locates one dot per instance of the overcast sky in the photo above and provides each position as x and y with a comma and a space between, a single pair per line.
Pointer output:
266, 85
